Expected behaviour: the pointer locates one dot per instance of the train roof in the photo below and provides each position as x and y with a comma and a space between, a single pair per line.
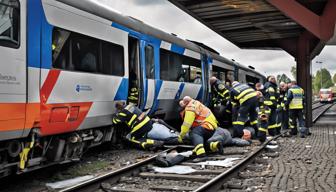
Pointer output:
130, 22
139, 26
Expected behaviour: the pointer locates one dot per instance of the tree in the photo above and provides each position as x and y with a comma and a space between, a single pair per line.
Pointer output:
322, 78
334, 78
283, 78
293, 71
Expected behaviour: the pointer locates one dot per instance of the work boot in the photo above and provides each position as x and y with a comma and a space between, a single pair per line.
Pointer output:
200, 158
262, 136
303, 131
161, 161
220, 148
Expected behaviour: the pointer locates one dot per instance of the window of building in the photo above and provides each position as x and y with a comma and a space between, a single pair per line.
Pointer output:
9, 23
76, 52
150, 66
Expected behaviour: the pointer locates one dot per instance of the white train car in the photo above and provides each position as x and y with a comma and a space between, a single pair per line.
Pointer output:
64, 64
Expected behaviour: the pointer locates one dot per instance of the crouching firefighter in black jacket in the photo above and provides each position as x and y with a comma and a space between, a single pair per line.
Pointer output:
138, 122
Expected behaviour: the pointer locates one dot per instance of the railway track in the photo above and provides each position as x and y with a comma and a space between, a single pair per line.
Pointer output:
320, 110
140, 177
317, 105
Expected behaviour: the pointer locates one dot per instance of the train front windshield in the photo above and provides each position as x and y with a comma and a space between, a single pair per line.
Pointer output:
9, 23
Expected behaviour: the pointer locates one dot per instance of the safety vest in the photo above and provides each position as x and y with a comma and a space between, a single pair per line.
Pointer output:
203, 115
244, 93
297, 101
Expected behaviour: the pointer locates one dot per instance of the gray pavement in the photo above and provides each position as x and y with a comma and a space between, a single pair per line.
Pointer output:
305, 164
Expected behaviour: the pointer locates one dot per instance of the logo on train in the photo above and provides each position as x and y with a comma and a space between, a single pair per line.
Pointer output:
8, 79
83, 88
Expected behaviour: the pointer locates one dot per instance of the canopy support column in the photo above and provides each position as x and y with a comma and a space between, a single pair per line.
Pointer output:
304, 77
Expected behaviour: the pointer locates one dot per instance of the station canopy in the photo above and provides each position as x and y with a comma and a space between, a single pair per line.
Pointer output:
265, 24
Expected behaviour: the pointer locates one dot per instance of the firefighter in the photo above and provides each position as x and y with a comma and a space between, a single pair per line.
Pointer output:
220, 92
295, 104
220, 101
133, 93
263, 115
138, 122
246, 98
284, 113
202, 124
280, 106
271, 100
259, 87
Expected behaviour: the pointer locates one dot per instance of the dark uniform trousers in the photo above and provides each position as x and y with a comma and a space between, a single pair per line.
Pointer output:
293, 115
139, 123
247, 111
272, 121
199, 136
279, 120
285, 119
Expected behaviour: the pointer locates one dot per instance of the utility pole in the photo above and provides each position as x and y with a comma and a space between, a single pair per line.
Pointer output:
320, 62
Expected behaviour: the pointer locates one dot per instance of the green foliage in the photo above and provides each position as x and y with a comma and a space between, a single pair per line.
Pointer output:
283, 78
323, 78
334, 78
293, 71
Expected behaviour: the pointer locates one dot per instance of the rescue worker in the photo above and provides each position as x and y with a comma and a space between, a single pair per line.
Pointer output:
284, 113
271, 100
263, 115
199, 120
133, 93
246, 98
259, 87
295, 104
138, 122
220, 92
221, 135
220, 102
280, 107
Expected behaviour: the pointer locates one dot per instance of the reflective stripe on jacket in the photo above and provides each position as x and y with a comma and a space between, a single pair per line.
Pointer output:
242, 93
295, 97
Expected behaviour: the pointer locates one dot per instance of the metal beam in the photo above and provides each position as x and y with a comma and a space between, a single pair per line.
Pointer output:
321, 26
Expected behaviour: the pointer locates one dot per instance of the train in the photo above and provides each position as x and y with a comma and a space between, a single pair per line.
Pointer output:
327, 95
65, 63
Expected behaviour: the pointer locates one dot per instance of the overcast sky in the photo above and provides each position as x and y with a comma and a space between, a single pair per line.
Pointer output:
167, 17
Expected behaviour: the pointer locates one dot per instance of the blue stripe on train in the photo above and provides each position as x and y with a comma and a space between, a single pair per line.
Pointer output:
179, 91
122, 90
177, 49
39, 36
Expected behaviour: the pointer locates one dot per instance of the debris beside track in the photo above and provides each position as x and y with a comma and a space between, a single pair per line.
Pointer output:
95, 162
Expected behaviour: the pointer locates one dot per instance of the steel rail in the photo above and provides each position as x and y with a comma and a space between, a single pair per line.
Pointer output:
322, 112
114, 176
217, 182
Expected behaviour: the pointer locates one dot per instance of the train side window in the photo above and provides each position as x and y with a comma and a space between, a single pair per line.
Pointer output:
195, 75
149, 51
9, 23
85, 53
112, 59
61, 49
176, 67
170, 66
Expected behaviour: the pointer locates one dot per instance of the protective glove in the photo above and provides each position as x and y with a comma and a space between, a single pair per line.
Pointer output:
180, 139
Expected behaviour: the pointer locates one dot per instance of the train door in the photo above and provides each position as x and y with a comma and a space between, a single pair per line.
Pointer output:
13, 69
148, 71
206, 68
135, 85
